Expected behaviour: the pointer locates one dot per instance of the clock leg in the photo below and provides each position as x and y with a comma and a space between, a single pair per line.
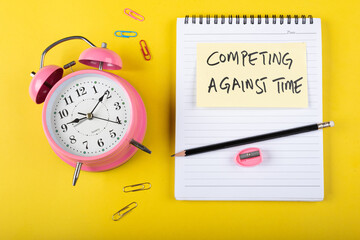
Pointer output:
139, 146
76, 173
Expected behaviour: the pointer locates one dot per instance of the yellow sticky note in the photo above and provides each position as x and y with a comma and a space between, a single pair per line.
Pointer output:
251, 75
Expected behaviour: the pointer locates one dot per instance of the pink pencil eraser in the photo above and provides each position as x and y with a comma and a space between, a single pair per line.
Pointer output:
249, 157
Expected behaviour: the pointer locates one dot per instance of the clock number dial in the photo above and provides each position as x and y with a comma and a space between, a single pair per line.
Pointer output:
81, 91
118, 120
68, 100
117, 106
64, 127
95, 89
107, 93
100, 142
72, 139
63, 113
86, 144
112, 133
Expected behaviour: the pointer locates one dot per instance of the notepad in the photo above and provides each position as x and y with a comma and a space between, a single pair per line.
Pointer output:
292, 167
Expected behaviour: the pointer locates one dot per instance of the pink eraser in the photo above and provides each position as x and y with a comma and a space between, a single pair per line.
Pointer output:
249, 157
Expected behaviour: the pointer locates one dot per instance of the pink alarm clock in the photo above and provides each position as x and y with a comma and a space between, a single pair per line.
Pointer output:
94, 120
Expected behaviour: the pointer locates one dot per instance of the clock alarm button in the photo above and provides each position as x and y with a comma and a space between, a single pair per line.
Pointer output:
43, 81
101, 58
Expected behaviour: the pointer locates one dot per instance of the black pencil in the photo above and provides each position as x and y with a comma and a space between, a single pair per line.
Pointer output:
259, 138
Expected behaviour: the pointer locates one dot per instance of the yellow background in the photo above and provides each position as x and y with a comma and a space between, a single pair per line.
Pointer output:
37, 200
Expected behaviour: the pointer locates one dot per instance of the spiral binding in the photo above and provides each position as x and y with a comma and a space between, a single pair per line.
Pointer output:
251, 19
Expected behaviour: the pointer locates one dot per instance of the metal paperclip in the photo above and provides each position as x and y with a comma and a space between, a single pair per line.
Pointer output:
126, 35
134, 14
118, 215
142, 186
145, 50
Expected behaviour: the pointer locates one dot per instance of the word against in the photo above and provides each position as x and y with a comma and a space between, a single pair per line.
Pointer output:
251, 75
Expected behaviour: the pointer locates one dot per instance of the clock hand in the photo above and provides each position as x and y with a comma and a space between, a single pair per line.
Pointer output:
76, 120
106, 120
99, 118
100, 100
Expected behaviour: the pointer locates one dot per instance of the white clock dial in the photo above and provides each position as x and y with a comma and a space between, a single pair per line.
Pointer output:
88, 114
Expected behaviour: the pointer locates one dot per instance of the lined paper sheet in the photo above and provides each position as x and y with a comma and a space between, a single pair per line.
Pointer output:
292, 167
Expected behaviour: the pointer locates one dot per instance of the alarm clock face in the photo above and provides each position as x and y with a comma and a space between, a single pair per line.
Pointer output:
88, 114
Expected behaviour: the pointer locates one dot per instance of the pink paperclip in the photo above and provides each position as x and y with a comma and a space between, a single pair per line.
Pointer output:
145, 50
134, 14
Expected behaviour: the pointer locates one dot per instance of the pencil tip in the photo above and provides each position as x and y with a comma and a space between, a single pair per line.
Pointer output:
179, 154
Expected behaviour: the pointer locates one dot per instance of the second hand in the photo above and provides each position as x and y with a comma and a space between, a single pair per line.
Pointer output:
84, 114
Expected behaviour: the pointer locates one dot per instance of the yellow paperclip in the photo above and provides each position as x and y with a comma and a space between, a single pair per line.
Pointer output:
142, 186
118, 215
